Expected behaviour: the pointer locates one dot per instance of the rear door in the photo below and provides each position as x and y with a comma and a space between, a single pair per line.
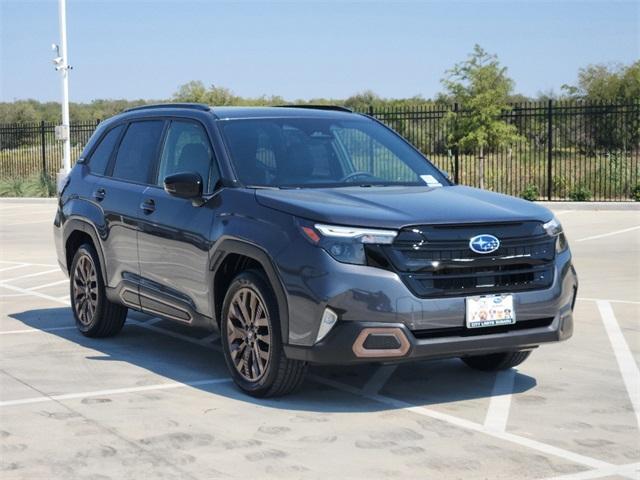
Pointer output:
120, 193
174, 234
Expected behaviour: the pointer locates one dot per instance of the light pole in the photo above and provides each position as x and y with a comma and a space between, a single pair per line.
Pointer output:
62, 65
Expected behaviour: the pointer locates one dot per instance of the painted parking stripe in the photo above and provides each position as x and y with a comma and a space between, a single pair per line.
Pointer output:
13, 267
59, 282
626, 363
29, 264
610, 300
630, 470
115, 391
36, 330
379, 379
603, 235
29, 275
498, 411
36, 294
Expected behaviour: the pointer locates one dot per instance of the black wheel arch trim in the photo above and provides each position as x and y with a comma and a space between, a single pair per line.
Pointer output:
76, 224
227, 246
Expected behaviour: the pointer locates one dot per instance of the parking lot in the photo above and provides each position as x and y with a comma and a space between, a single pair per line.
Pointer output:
156, 400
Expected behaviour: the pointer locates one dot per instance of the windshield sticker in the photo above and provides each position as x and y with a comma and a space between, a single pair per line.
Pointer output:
430, 180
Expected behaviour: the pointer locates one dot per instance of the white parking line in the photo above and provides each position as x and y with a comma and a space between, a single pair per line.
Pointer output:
35, 330
626, 362
64, 301
617, 232
6, 269
37, 274
629, 470
66, 280
29, 264
379, 379
498, 411
48, 220
607, 300
115, 391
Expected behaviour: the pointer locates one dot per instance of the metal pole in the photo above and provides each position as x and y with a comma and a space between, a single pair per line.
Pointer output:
550, 150
65, 84
44, 149
456, 168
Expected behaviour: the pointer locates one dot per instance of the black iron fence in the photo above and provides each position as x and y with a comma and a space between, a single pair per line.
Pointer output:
564, 151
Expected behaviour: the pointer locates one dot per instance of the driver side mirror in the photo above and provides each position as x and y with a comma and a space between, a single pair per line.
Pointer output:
184, 185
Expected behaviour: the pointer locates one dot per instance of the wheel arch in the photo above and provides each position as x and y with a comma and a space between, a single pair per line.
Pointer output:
76, 232
249, 256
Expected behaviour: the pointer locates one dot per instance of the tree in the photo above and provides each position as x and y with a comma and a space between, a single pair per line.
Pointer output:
609, 83
481, 86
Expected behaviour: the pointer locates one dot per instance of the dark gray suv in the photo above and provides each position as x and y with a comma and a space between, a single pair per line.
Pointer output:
305, 235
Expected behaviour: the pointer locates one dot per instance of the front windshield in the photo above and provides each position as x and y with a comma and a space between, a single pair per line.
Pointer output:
310, 152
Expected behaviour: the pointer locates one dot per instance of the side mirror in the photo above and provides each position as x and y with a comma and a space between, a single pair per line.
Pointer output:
184, 185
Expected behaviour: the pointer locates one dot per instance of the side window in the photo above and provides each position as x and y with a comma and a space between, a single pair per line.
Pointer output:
102, 153
136, 155
187, 149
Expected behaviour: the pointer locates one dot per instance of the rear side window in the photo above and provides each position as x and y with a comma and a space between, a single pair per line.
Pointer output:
102, 153
136, 155
187, 149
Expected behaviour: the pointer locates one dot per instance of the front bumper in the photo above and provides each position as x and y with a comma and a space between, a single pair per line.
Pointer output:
338, 346
433, 328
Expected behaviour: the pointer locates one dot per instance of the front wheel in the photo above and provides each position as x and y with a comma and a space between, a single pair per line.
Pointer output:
252, 341
496, 361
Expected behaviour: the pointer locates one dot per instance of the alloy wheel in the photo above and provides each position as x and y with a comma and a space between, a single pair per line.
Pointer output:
85, 290
248, 334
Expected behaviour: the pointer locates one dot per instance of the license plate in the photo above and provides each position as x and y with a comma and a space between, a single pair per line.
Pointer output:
490, 311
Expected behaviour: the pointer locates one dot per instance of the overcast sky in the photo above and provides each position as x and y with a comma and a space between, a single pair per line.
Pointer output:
304, 49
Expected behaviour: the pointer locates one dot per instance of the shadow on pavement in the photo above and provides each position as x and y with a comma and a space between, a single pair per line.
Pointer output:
419, 383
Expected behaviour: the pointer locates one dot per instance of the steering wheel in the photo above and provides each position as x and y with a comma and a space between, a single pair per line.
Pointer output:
357, 174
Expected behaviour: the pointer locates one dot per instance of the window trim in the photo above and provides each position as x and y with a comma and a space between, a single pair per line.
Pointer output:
214, 158
87, 158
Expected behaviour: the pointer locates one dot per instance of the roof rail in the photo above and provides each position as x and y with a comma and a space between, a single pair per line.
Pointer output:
337, 108
194, 106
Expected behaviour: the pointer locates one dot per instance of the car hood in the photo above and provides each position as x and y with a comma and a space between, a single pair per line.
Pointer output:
397, 207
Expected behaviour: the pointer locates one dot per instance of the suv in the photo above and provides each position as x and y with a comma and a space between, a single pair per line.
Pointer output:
306, 235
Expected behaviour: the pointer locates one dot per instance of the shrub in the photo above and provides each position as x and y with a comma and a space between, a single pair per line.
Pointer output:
635, 192
41, 185
580, 193
531, 192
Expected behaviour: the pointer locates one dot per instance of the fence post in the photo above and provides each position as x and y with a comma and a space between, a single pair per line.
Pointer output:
550, 149
456, 158
44, 149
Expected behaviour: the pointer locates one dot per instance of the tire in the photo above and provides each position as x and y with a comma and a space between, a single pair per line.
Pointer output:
95, 315
252, 340
496, 361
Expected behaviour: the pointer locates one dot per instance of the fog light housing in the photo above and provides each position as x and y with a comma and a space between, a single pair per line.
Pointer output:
329, 319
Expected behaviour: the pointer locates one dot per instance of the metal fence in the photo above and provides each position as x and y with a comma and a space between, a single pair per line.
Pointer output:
565, 151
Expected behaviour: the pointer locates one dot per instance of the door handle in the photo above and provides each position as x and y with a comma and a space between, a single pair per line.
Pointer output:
99, 194
148, 206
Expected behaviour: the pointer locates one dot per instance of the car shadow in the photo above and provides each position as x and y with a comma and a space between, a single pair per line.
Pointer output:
436, 382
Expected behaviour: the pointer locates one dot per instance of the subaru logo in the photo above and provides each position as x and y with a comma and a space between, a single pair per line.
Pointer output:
484, 243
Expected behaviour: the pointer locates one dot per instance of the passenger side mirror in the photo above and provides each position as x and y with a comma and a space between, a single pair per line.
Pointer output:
184, 185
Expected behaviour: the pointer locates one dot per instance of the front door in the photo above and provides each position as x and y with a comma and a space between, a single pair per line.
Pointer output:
173, 245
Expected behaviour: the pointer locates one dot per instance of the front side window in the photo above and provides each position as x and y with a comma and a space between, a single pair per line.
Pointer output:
137, 153
311, 152
187, 149
100, 157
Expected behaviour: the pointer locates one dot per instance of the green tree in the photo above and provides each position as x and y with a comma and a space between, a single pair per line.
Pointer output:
481, 85
609, 83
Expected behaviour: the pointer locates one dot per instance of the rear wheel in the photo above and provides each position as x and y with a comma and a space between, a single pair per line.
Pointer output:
252, 341
95, 315
496, 361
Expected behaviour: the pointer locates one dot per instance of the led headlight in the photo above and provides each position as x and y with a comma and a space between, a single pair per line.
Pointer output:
345, 244
554, 229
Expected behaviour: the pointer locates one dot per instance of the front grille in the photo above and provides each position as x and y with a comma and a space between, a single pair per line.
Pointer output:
471, 332
436, 261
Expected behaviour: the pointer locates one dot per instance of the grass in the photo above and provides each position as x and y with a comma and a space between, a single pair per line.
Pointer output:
39, 185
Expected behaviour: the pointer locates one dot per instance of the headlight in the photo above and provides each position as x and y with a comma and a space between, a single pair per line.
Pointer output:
345, 244
554, 229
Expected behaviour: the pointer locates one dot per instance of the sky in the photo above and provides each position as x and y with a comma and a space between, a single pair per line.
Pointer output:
304, 49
